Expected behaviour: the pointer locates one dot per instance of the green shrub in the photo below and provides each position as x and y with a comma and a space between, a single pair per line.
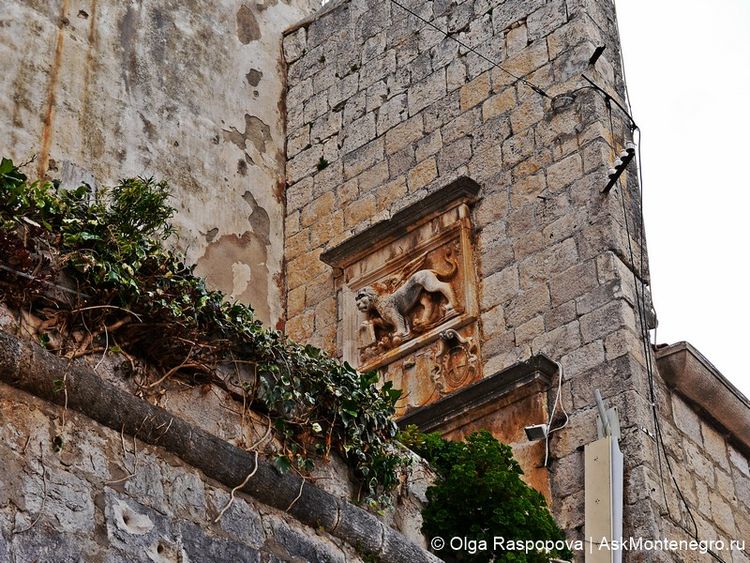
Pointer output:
479, 495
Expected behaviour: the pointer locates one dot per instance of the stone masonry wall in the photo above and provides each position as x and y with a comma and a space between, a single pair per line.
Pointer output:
713, 476
382, 110
188, 92
78, 504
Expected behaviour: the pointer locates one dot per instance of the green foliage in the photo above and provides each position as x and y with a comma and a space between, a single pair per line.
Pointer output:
479, 495
143, 300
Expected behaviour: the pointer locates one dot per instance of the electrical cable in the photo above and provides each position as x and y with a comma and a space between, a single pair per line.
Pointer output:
558, 398
645, 339
534, 87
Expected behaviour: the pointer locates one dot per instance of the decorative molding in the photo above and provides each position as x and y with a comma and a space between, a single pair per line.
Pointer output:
534, 376
462, 190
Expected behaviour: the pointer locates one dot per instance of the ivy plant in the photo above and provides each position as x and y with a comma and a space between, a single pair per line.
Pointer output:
138, 297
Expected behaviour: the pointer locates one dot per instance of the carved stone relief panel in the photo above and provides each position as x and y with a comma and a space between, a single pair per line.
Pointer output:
408, 299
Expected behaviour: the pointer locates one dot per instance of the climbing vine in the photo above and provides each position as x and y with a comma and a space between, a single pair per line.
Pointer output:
92, 267
479, 495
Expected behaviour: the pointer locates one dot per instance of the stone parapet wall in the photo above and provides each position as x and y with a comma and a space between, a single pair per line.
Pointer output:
712, 473
84, 506
99, 90
101, 471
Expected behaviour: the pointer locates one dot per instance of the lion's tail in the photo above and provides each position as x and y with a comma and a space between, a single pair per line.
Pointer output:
452, 262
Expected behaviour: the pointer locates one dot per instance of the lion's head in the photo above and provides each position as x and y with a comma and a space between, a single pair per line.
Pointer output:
366, 299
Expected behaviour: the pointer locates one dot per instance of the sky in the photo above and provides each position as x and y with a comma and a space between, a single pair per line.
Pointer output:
687, 67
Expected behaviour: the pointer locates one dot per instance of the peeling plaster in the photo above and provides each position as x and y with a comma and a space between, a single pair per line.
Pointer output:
141, 88
248, 29
256, 131
229, 264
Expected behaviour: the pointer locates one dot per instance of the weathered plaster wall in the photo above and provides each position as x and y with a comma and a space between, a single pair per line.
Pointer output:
185, 91
395, 110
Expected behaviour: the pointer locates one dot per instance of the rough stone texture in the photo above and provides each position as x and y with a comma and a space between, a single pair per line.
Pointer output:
556, 256
99, 90
92, 511
712, 477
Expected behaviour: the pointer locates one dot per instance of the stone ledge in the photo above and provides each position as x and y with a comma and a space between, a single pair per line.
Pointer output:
529, 377
462, 190
30, 368
688, 372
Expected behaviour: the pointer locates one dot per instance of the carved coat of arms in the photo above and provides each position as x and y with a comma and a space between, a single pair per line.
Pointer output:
407, 301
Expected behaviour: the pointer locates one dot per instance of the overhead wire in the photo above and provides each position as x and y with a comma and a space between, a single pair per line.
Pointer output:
447, 34
638, 280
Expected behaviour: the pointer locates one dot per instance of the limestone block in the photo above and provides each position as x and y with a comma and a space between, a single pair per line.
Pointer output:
722, 513
389, 194
686, 420
586, 357
355, 107
363, 158
518, 148
579, 28
546, 19
377, 69
377, 94
343, 89
568, 477
725, 486
304, 164
359, 132
298, 141
428, 145
300, 93
563, 173
426, 92
360, 210
391, 113
454, 155
573, 282
527, 114
698, 464
714, 444
739, 461
527, 61
492, 133
297, 244
422, 174
601, 322
516, 39
401, 162
475, 92
294, 45
325, 126
528, 303
486, 164
463, 125
441, 112
374, 177
544, 265
558, 341
404, 134
529, 330
558, 316
320, 207
493, 322
455, 75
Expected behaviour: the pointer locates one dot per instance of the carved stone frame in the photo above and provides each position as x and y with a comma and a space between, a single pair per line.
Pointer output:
440, 220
